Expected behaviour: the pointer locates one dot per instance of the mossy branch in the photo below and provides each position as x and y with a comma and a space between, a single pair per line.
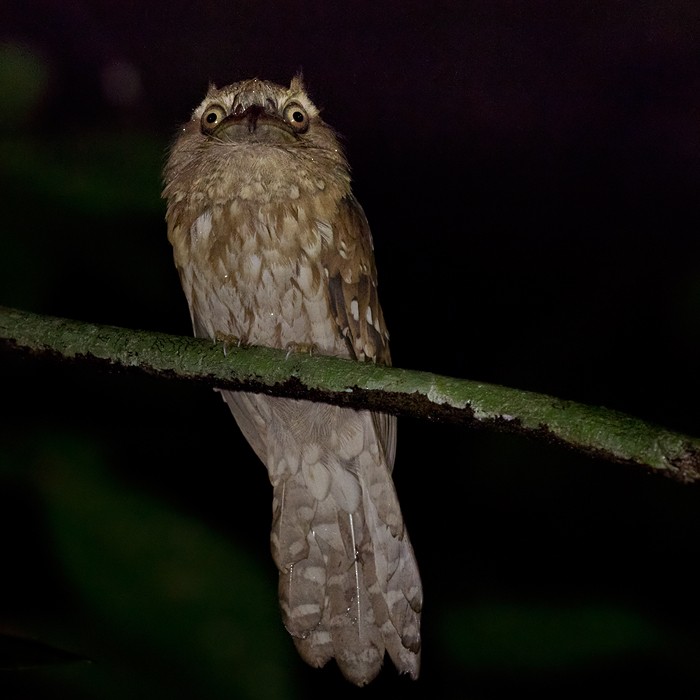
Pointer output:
599, 431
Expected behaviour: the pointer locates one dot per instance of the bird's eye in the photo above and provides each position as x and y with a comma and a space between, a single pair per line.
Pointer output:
295, 115
212, 117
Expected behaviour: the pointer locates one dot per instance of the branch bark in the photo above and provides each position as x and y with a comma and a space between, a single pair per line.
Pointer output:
598, 431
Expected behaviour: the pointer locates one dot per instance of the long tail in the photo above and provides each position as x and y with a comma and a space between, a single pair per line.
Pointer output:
355, 594
349, 584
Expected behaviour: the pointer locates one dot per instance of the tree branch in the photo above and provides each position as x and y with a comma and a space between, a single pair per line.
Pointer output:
597, 431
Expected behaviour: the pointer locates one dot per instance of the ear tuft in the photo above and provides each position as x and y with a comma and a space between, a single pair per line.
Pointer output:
297, 84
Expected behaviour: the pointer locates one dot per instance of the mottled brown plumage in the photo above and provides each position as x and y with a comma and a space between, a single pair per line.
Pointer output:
273, 249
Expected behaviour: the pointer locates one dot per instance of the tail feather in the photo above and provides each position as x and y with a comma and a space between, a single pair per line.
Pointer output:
367, 584
349, 586
397, 590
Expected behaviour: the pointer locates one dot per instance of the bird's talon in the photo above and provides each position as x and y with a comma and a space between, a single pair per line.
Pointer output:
300, 348
228, 340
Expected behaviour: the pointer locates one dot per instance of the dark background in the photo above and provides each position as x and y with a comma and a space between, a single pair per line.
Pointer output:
530, 171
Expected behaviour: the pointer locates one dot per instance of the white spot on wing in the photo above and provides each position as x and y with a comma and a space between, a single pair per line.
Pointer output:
252, 266
355, 309
201, 228
325, 230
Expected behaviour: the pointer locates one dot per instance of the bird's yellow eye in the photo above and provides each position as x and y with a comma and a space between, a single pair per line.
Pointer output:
295, 115
212, 117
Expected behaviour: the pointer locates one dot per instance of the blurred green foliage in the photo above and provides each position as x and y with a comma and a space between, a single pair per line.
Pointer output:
93, 173
180, 610
82, 206
24, 81
529, 638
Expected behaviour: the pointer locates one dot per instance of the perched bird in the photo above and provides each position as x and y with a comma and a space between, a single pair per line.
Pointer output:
273, 249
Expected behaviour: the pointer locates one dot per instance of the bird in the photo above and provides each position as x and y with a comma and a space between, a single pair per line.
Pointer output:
273, 249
